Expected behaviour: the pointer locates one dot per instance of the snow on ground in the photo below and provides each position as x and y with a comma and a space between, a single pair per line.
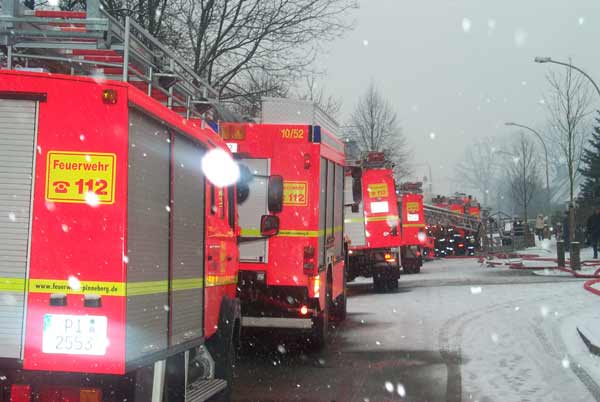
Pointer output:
457, 331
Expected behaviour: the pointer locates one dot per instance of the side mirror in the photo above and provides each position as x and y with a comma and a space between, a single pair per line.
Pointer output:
269, 225
275, 198
357, 190
354, 208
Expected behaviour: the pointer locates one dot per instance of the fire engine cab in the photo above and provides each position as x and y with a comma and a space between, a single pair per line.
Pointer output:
119, 254
291, 245
372, 229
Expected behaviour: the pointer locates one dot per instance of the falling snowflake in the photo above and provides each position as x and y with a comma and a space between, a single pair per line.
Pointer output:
581, 20
389, 387
566, 363
365, 42
81, 137
74, 283
125, 259
432, 135
495, 338
520, 37
12, 217
400, 390
92, 199
281, 349
476, 290
544, 311
65, 227
466, 25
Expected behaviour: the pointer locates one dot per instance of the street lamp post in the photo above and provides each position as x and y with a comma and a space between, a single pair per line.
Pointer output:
430, 179
545, 153
542, 60
586, 75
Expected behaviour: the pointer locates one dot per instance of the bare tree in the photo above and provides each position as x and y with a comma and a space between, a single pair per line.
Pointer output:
228, 40
523, 174
568, 105
479, 167
375, 127
316, 93
250, 91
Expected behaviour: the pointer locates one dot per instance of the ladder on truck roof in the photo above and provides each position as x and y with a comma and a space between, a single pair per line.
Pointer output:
445, 217
96, 44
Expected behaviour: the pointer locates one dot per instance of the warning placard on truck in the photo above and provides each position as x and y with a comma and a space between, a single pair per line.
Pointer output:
80, 177
295, 193
377, 190
412, 211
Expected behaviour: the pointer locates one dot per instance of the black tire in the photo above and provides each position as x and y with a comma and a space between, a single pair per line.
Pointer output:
224, 368
339, 309
408, 269
320, 333
417, 269
392, 284
378, 284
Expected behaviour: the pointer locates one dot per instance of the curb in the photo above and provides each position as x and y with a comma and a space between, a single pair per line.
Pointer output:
592, 348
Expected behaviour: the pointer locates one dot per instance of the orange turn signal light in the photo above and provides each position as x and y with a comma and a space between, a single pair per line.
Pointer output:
109, 96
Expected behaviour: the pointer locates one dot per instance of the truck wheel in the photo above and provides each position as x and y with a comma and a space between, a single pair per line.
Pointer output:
378, 284
321, 323
225, 370
340, 309
320, 329
392, 284
417, 269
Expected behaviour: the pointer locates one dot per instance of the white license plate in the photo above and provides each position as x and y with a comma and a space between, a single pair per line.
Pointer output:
233, 146
75, 334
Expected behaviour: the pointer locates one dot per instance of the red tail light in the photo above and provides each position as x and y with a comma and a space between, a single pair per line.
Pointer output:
20, 393
307, 161
309, 260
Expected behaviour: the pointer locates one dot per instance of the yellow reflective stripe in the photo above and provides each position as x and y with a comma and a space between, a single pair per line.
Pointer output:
12, 284
290, 232
187, 284
147, 288
413, 225
109, 288
250, 232
354, 220
299, 233
79, 288
382, 218
218, 280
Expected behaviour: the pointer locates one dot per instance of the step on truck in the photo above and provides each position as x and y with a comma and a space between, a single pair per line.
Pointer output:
118, 235
292, 275
372, 225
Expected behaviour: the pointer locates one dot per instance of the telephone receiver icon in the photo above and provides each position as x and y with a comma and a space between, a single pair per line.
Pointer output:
61, 186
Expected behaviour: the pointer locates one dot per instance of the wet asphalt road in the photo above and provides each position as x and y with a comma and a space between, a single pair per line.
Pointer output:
457, 331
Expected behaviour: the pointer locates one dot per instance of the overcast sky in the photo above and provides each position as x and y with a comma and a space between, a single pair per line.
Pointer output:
461, 68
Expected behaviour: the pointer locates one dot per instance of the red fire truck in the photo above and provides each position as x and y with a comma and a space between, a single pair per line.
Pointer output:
413, 227
372, 225
291, 274
119, 256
